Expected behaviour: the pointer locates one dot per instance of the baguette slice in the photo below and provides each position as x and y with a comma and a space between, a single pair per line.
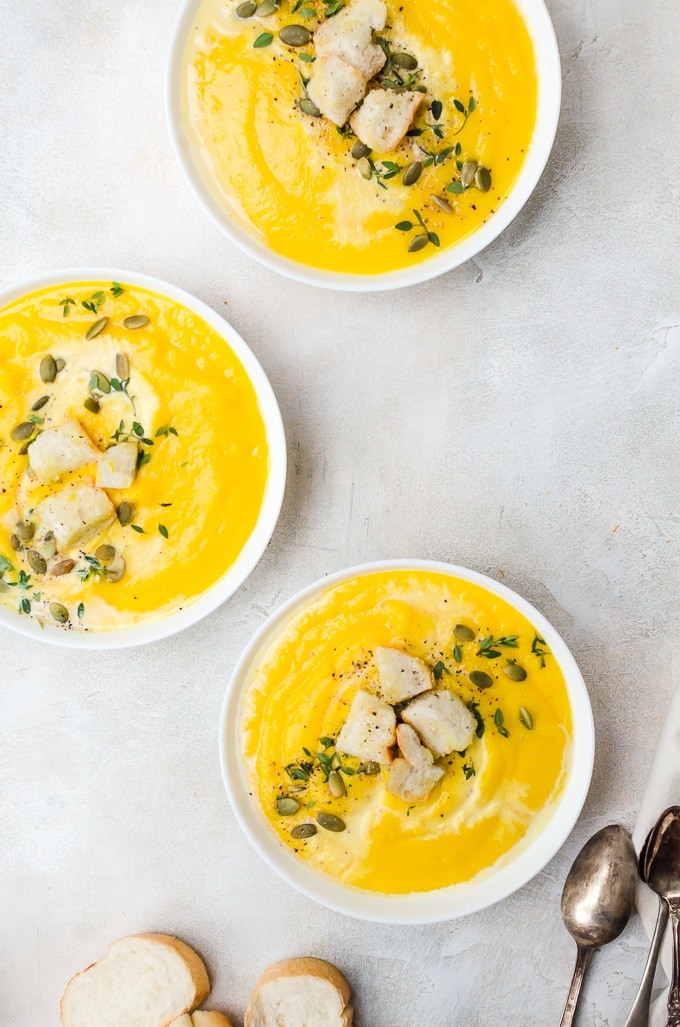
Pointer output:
145, 980
304, 992
201, 1018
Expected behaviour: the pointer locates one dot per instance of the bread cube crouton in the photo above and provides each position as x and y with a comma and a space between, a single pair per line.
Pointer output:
56, 451
443, 722
412, 749
401, 676
384, 118
349, 36
370, 729
336, 88
75, 514
412, 784
117, 467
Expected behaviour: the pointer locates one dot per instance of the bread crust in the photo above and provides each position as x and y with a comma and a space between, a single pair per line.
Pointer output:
305, 966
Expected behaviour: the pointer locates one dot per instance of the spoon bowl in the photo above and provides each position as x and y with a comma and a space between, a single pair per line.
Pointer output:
662, 865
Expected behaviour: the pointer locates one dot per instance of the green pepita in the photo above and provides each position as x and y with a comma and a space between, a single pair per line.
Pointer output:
23, 431
526, 718
360, 150
468, 172
135, 321
308, 106
36, 561
266, 8
418, 242
100, 382
286, 807
336, 786
364, 168
369, 768
48, 546
105, 553
126, 513
330, 822
23, 450
404, 60
92, 405
59, 613
25, 530
483, 179
463, 633
116, 569
412, 173
63, 567
94, 330
15, 543
61, 364
515, 672
303, 831
48, 369
480, 679
442, 204
246, 10
4, 587
122, 366
40, 403
295, 35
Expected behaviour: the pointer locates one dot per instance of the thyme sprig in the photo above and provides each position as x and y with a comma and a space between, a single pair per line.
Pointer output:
326, 761
486, 646
538, 650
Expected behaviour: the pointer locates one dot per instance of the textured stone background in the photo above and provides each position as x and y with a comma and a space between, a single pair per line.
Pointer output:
518, 415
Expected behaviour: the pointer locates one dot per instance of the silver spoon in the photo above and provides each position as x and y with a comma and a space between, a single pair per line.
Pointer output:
663, 877
597, 900
639, 1014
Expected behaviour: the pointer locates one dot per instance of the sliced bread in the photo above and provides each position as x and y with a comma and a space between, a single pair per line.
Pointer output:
145, 980
304, 992
201, 1018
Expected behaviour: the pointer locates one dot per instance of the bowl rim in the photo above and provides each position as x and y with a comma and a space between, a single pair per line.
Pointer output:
549, 77
421, 907
222, 589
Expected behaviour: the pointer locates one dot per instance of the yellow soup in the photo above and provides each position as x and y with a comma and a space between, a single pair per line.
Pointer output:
165, 382
292, 179
297, 699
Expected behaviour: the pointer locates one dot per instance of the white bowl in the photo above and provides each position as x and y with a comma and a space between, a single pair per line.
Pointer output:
224, 587
523, 862
549, 78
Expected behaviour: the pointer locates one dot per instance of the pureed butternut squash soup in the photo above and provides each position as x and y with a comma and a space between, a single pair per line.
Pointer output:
405, 731
363, 136
133, 460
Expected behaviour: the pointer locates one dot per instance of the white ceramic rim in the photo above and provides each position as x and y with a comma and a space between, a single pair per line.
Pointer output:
549, 77
248, 558
425, 907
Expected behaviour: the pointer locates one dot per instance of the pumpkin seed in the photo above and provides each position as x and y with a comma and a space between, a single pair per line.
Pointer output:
25, 530
295, 35
360, 150
135, 321
23, 431
36, 561
468, 172
369, 768
303, 831
483, 179
246, 10
4, 587
336, 786
330, 822
100, 382
463, 633
98, 326
515, 672
122, 366
23, 450
116, 569
126, 513
418, 242
48, 546
59, 612
48, 368
105, 553
91, 404
526, 718
420, 88
307, 106
15, 543
287, 807
63, 567
480, 679
61, 364
40, 403
266, 8
404, 60
443, 204
412, 173
364, 168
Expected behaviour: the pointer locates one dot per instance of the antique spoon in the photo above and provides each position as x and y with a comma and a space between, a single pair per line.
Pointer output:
639, 1014
597, 900
663, 876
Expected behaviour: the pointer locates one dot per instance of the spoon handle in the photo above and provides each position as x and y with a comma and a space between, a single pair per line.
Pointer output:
582, 960
639, 1014
674, 992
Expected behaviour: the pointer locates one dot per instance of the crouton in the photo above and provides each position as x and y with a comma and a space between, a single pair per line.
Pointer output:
75, 514
56, 451
349, 36
370, 729
443, 722
117, 467
412, 749
412, 784
336, 88
401, 676
384, 118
